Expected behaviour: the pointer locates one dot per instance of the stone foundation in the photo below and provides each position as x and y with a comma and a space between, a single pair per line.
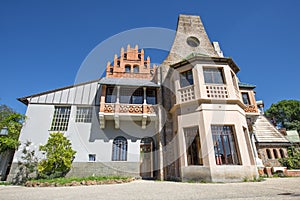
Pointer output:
84, 169
219, 173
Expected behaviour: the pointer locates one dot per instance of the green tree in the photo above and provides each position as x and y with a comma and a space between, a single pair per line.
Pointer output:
13, 122
286, 114
59, 157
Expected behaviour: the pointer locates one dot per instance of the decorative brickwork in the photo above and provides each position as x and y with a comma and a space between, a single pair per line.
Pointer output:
130, 64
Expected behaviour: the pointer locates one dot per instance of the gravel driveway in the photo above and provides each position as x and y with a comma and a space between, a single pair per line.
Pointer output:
275, 188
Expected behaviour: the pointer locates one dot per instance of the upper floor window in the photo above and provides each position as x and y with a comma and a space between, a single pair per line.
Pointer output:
119, 151
224, 145
186, 78
61, 118
127, 68
84, 114
151, 96
245, 97
136, 69
213, 75
131, 95
111, 95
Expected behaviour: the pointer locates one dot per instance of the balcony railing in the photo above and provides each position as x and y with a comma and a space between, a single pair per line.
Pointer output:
251, 109
187, 93
217, 91
128, 108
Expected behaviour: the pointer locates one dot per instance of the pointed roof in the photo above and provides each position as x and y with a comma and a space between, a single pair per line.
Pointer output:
190, 37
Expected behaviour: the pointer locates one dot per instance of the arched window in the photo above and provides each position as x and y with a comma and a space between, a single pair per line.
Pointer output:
282, 153
127, 68
275, 153
119, 152
136, 69
269, 154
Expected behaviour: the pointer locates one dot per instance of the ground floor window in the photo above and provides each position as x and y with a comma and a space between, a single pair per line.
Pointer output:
119, 152
193, 146
224, 145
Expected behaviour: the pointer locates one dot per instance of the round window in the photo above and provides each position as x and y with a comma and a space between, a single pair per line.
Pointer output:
192, 41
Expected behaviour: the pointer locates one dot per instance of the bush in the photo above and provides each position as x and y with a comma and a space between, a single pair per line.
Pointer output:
59, 157
293, 159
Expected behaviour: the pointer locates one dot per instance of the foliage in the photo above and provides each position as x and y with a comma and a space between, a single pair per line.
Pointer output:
285, 113
293, 159
13, 122
59, 156
27, 165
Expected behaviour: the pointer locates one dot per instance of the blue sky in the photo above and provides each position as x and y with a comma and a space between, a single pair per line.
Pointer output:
43, 43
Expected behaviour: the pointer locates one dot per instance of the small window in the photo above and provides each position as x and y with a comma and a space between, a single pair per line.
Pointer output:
275, 153
84, 114
269, 155
282, 153
193, 41
127, 68
111, 95
234, 80
224, 145
145, 64
245, 97
151, 96
136, 69
125, 56
193, 146
213, 75
118, 63
92, 157
61, 118
186, 78
111, 70
139, 56
119, 152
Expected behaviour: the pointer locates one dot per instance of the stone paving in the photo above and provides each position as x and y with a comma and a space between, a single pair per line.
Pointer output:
275, 188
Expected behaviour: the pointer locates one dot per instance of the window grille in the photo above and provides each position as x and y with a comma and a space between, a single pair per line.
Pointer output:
84, 114
61, 118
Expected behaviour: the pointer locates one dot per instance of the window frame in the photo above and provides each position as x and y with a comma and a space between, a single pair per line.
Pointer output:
247, 98
212, 71
186, 78
82, 117
222, 145
193, 146
60, 120
119, 149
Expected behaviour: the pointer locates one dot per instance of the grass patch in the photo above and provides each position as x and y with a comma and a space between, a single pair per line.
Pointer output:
4, 183
63, 181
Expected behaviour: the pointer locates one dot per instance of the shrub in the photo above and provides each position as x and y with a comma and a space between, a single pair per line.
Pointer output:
59, 157
293, 159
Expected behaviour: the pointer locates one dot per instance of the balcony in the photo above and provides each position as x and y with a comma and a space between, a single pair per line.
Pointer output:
134, 112
251, 109
217, 91
187, 93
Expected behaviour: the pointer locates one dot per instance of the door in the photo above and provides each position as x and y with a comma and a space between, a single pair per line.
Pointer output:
146, 158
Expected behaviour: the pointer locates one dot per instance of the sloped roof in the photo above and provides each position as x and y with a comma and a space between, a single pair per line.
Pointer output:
267, 133
292, 136
65, 95
246, 85
128, 82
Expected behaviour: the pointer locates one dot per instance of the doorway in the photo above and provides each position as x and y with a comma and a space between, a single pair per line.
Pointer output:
146, 158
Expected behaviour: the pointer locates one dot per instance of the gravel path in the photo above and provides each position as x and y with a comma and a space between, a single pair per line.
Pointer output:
275, 188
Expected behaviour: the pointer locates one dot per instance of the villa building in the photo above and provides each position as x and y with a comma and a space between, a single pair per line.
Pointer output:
189, 118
